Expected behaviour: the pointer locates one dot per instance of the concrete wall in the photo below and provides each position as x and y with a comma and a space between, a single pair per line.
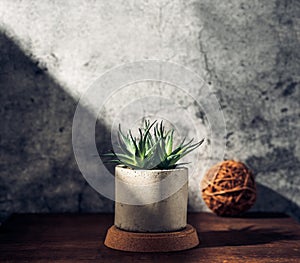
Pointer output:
50, 51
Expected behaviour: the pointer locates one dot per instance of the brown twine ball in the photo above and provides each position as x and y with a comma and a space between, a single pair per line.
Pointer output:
228, 188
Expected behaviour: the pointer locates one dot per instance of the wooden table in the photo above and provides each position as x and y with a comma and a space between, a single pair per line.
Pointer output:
73, 237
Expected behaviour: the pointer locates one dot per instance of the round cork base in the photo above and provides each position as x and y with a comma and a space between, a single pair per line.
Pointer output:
151, 242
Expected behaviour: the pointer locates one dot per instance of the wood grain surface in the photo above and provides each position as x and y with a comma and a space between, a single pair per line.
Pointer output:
79, 237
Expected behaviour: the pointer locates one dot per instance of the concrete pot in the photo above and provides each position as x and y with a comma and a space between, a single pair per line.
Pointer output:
141, 205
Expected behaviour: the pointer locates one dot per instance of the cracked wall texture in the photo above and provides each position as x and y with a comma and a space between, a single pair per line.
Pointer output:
51, 51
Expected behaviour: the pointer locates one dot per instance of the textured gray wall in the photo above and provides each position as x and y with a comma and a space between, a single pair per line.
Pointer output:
248, 51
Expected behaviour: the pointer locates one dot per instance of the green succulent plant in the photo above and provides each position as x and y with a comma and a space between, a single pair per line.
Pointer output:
153, 149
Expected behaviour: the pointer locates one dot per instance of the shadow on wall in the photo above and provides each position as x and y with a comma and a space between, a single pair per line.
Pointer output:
38, 171
257, 71
270, 201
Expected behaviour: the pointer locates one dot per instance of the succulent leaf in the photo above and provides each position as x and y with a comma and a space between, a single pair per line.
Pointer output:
150, 150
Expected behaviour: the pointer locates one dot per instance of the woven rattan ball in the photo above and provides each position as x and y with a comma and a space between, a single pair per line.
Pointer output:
228, 188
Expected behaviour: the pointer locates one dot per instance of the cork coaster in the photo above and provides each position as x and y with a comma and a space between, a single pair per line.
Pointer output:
151, 242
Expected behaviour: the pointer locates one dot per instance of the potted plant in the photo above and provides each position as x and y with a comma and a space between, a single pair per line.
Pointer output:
151, 186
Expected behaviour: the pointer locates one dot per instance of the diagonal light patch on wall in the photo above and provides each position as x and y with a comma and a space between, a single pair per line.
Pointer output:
76, 40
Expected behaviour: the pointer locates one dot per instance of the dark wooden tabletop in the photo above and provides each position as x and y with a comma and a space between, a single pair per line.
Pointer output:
73, 237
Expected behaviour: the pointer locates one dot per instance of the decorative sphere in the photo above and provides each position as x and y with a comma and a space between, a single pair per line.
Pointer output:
228, 188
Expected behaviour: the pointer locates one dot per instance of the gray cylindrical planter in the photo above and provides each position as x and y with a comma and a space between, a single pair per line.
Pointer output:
165, 215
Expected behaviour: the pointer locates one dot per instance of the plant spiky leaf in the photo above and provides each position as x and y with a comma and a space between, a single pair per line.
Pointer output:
150, 150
